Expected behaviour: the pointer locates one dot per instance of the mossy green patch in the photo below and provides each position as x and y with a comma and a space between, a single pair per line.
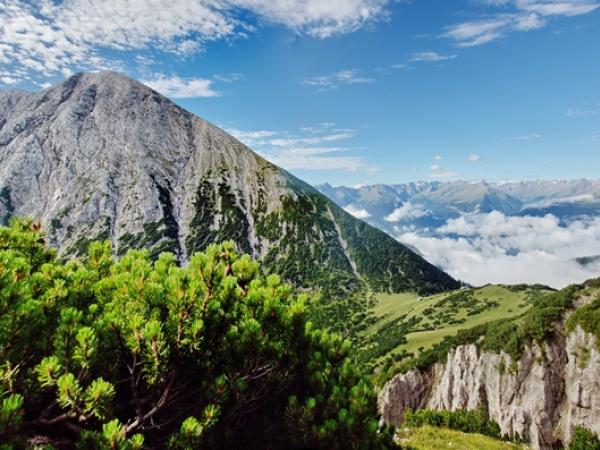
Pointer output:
435, 438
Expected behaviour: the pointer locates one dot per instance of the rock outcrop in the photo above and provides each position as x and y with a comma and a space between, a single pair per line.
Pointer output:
541, 397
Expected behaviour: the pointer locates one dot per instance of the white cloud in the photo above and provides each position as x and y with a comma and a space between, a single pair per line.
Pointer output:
47, 37
312, 150
9, 80
584, 112
583, 198
438, 172
311, 140
567, 8
494, 248
176, 87
316, 17
252, 138
406, 211
528, 137
474, 158
513, 16
359, 213
229, 78
430, 57
316, 158
334, 80
438, 157
323, 127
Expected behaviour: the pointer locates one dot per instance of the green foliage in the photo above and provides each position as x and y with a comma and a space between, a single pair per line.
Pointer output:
385, 265
584, 439
507, 335
104, 354
216, 198
588, 317
6, 206
388, 337
467, 421
436, 438
309, 253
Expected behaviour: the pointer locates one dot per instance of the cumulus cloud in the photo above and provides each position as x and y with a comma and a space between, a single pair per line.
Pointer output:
48, 37
474, 158
509, 16
8, 80
316, 17
359, 213
176, 87
405, 212
494, 248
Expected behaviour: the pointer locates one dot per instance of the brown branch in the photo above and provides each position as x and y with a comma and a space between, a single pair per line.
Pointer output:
159, 405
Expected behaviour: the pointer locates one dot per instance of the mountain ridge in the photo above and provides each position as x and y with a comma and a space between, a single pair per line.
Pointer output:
431, 204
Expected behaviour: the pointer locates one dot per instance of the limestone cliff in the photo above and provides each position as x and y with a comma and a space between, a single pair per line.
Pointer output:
541, 397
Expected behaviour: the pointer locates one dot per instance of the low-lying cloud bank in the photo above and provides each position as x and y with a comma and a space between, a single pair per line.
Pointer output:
495, 248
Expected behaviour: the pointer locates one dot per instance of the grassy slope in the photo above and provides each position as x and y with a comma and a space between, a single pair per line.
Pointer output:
433, 438
495, 302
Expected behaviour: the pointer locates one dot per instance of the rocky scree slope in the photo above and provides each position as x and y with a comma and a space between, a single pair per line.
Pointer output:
102, 156
539, 397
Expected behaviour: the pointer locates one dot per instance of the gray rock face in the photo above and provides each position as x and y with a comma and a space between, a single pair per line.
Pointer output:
101, 156
549, 391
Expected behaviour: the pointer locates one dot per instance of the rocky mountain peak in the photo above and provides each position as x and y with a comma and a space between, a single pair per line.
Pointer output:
101, 156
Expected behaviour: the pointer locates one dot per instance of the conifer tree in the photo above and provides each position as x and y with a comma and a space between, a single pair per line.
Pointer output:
100, 353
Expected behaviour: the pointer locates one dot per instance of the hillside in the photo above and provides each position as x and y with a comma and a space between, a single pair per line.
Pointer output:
102, 156
403, 326
536, 374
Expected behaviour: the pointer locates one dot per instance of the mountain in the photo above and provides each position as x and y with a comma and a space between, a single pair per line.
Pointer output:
421, 204
101, 156
431, 204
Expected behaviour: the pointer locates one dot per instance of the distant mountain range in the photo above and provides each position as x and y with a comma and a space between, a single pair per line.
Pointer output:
102, 156
431, 204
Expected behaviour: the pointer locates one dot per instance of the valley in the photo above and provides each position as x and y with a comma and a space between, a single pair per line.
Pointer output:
489, 232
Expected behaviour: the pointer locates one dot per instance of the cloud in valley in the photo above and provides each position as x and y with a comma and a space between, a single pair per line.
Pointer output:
495, 248
406, 211
359, 213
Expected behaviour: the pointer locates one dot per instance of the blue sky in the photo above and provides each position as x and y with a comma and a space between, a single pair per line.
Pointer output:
347, 91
